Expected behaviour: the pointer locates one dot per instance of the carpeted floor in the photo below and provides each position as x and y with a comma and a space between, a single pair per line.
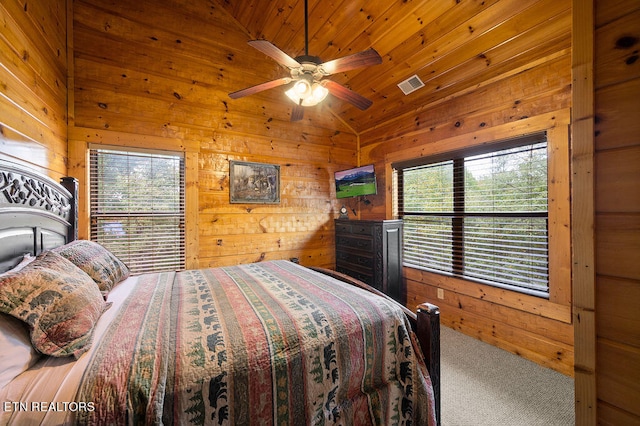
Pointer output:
485, 385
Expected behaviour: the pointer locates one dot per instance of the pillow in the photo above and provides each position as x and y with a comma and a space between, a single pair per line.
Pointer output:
58, 301
17, 354
26, 259
98, 262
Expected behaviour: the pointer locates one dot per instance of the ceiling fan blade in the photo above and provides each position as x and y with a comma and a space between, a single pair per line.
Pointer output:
346, 94
260, 87
297, 112
363, 59
272, 51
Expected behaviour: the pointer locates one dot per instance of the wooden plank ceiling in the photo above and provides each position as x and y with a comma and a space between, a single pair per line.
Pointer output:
452, 45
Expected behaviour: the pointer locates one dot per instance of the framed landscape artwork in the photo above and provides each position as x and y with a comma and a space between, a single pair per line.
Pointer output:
254, 182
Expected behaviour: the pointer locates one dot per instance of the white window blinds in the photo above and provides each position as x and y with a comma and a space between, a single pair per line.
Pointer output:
137, 207
482, 217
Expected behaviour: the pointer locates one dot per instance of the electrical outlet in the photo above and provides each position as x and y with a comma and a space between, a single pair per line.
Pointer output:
440, 293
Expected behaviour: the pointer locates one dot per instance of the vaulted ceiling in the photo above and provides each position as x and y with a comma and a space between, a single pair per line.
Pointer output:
453, 46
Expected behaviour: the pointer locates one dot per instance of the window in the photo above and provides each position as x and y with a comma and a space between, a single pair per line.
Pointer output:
138, 208
479, 215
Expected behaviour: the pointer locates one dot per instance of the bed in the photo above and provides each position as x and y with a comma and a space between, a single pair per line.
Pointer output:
86, 342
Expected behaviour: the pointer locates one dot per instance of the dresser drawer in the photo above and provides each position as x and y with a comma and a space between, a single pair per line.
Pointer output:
354, 243
363, 261
354, 228
362, 229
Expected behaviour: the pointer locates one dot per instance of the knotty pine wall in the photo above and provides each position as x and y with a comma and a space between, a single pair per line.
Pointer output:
617, 211
33, 84
157, 75
527, 95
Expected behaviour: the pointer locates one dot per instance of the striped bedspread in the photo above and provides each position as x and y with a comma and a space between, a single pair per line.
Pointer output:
264, 343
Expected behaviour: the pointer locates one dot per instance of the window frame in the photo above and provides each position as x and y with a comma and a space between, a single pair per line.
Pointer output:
179, 214
458, 215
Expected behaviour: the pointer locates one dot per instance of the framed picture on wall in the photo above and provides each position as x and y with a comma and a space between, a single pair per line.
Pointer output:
254, 183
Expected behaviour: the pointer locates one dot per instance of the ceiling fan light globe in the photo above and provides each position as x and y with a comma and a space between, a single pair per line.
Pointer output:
302, 88
318, 93
293, 95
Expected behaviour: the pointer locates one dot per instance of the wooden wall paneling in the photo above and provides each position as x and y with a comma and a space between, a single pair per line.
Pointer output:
415, 146
612, 10
33, 70
301, 201
208, 46
316, 159
230, 237
543, 322
614, 51
320, 257
617, 208
110, 137
618, 188
36, 36
15, 146
300, 144
613, 127
51, 18
622, 323
201, 21
35, 99
513, 118
540, 339
618, 243
493, 295
618, 381
19, 132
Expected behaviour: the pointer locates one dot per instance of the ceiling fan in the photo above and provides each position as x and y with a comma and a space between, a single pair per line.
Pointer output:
306, 84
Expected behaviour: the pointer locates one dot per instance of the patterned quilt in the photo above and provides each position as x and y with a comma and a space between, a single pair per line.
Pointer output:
261, 344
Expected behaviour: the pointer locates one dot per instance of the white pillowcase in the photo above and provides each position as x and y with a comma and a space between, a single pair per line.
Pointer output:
26, 259
17, 354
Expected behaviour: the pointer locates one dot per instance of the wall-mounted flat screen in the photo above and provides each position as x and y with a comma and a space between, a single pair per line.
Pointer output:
355, 182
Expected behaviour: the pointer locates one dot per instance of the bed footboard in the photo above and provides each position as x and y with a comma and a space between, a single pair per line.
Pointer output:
427, 330
425, 323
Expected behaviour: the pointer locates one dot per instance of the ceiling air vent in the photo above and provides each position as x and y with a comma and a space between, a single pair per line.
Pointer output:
411, 84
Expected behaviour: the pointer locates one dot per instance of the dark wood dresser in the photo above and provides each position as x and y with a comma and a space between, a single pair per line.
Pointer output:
371, 251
